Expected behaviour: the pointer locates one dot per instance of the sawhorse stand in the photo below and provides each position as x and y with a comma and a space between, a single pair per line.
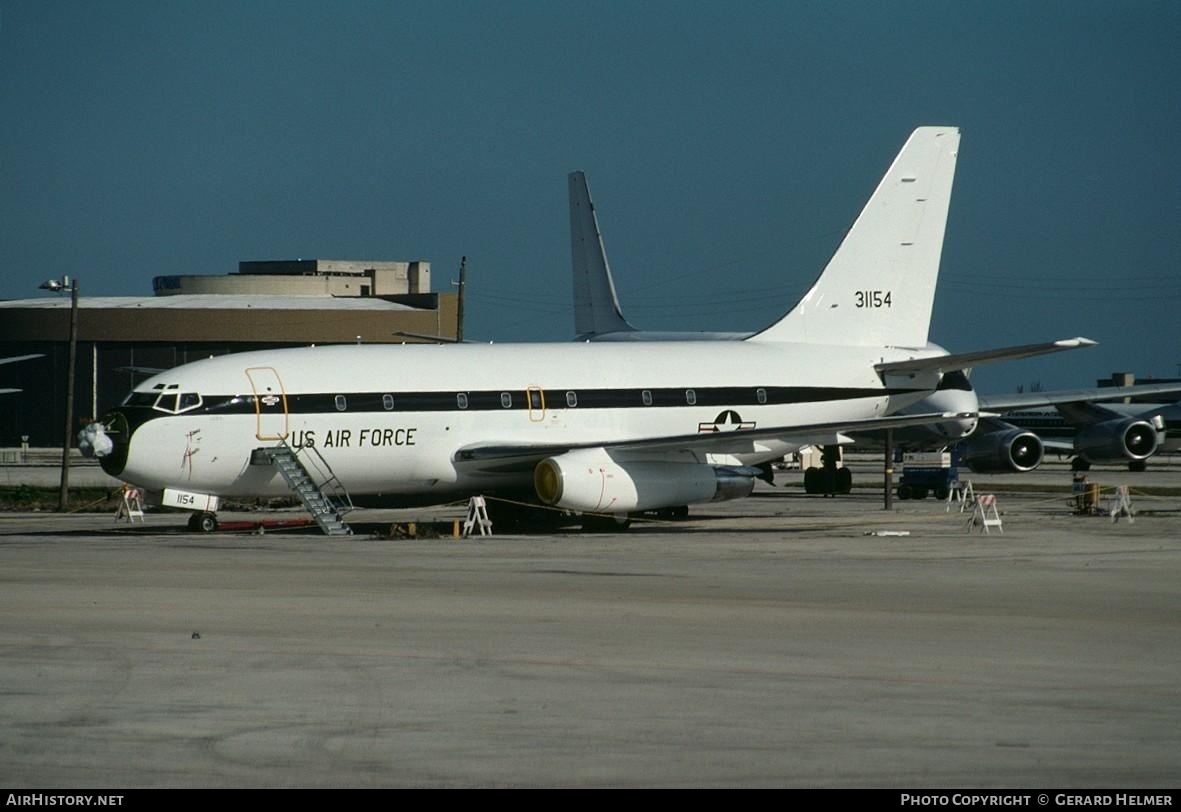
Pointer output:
477, 516
986, 514
1121, 505
960, 492
131, 507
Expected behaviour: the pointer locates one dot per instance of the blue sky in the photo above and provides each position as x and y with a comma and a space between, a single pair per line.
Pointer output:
727, 147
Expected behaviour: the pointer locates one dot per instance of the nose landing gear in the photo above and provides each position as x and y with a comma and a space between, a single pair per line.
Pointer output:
204, 522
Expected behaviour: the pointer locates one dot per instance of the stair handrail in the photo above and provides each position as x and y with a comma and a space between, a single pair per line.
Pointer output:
330, 485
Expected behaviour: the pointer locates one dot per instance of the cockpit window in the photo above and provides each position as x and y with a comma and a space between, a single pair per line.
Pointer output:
169, 400
141, 399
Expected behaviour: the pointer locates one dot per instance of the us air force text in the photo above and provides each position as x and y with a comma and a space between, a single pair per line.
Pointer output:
345, 438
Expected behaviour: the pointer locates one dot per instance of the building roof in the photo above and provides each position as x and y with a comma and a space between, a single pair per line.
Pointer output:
227, 320
209, 302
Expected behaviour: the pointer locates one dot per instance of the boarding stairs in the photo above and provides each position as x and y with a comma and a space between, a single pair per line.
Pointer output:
327, 502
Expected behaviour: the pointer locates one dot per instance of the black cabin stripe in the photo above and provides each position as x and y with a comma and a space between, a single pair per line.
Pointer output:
555, 399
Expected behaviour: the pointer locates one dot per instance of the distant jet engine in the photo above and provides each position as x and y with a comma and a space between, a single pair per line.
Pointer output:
591, 481
1011, 451
1118, 440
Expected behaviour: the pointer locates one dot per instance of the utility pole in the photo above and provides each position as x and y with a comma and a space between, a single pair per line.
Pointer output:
459, 308
61, 286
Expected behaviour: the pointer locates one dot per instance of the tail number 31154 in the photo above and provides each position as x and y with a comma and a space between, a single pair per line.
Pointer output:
872, 298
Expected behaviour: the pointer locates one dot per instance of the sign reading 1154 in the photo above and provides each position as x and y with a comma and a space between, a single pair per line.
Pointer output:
872, 298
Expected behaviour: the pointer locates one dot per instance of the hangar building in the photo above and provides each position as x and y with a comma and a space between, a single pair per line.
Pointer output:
122, 340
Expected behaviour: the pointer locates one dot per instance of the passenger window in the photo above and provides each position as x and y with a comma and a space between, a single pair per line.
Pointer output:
761, 395
461, 400
341, 403
690, 397
506, 400
571, 399
646, 396
387, 402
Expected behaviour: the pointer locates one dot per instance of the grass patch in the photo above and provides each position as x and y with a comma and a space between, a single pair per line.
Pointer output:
82, 500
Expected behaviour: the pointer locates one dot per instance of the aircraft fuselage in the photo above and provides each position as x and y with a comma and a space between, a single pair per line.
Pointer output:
394, 420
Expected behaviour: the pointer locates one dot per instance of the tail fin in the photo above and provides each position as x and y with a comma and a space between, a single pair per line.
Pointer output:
596, 307
878, 288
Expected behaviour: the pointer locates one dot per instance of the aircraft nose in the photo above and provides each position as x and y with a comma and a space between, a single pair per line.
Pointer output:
958, 428
966, 426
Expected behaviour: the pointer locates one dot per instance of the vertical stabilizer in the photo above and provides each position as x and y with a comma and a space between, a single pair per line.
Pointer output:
596, 308
879, 286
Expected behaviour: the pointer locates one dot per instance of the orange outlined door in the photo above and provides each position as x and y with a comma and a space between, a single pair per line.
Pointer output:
535, 398
270, 403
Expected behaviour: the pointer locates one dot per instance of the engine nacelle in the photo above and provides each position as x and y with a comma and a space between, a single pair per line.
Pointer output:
1117, 441
1012, 451
590, 481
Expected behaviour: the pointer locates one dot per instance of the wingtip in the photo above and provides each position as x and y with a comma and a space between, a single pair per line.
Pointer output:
1076, 342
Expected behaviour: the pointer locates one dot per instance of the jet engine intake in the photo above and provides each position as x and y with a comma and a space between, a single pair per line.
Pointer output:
1117, 441
591, 481
1011, 451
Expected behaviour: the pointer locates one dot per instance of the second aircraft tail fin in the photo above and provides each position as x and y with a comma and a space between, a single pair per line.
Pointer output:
596, 307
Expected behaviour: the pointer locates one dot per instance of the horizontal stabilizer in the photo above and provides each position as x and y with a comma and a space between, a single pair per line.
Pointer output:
968, 360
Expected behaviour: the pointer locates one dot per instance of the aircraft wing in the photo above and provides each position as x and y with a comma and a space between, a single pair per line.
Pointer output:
12, 360
142, 370
1080, 414
1007, 403
967, 360
16, 358
735, 441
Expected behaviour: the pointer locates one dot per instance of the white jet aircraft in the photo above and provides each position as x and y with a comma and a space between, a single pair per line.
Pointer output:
593, 427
